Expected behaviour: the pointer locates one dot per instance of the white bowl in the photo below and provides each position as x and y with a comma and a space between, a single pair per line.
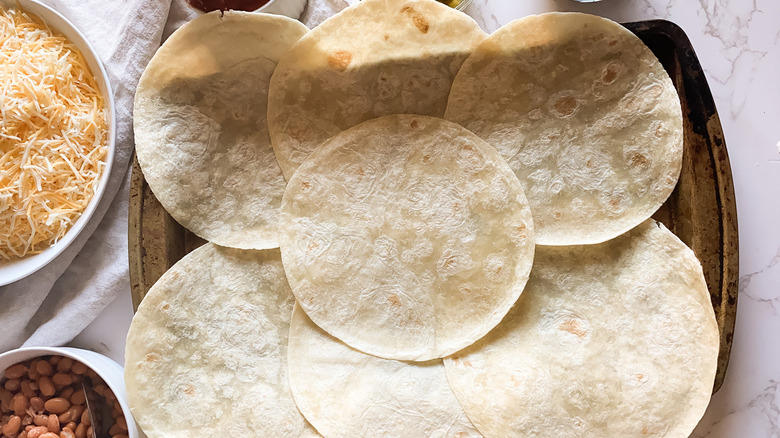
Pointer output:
18, 269
288, 8
111, 372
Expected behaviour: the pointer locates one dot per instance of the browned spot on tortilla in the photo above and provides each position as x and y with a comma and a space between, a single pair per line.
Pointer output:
306, 185
387, 37
313, 246
415, 124
393, 300
521, 231
637, 159
557, 215
614, 202
516, 382
421, 23
339, 59
612, 43
449, 263
589, 163
565, 105
456, 206
656, 90
165, 306
632, 104
573, 327
426, 158
152, 357
467, 363
610, 75
639, 376
659, 131
189, 390
417, 18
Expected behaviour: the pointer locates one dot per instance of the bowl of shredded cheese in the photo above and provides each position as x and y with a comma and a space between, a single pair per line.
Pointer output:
57, 135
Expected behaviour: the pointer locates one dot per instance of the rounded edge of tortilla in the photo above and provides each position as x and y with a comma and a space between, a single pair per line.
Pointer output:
278, 33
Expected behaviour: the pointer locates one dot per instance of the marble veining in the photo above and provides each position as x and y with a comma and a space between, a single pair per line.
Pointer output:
766, 273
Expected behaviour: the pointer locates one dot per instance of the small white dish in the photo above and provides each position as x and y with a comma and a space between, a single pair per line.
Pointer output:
288, 8
11, 271
108, 370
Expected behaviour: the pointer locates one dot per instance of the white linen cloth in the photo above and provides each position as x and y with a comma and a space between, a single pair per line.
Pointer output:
55, 304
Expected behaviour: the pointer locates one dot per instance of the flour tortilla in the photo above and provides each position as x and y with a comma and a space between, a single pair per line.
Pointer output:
200, 126
346, 393
376, 58
209, 342
407, 237
583, 113
617, 339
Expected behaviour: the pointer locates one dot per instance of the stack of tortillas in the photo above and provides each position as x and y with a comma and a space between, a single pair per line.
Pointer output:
376, 192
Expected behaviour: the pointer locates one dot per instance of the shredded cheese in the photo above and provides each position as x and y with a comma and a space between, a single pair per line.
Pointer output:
53, 137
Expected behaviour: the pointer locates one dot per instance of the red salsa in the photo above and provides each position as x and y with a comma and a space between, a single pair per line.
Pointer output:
224, 5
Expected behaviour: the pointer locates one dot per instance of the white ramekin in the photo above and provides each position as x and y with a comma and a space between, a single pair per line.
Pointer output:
108, 370
289, 8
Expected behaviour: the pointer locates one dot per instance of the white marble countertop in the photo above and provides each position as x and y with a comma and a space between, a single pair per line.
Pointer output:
738, 45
